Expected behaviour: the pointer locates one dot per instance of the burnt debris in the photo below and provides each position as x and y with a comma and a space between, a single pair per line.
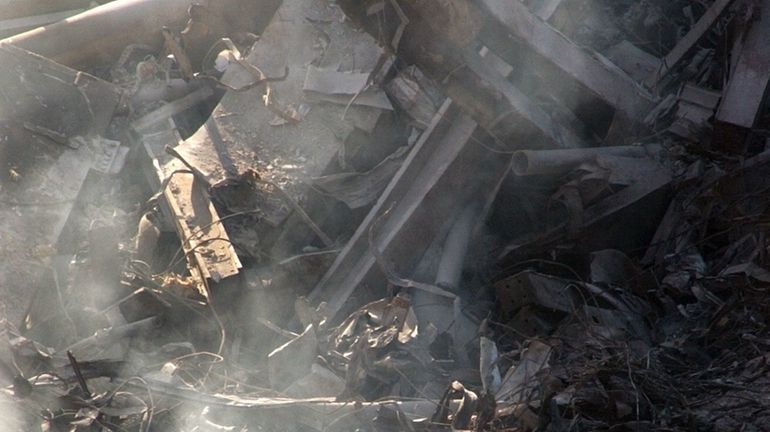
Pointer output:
382, 215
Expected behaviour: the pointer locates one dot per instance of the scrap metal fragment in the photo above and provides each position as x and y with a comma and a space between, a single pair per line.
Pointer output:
360, 189
44, 105
24, 8
437, 168
320, 382
51, 99
171, 109
747, 88
293, 360
344, 88
426, 163
315, 413
521, 380
546, 8
440, 311
522, 113
597, 74
695, 108
205, 242
496, 63
204, 238
410, 96
645, 180
440, 40
173, 45
686, 44
535, 289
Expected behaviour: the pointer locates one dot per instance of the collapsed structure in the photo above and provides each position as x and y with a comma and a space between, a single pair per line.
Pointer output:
384, 215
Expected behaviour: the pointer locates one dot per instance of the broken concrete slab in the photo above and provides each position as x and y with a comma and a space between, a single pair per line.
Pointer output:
247, 130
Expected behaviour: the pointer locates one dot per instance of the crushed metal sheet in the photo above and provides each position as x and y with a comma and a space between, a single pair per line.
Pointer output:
345, 87
360, 189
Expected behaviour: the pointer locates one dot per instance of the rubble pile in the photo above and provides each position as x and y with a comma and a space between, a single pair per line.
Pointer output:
382, 215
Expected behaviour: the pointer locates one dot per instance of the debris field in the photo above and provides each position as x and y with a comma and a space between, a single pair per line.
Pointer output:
384, 215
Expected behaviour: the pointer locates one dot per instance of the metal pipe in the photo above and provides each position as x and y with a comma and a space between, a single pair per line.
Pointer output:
442, 312
537, 162
450, 268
